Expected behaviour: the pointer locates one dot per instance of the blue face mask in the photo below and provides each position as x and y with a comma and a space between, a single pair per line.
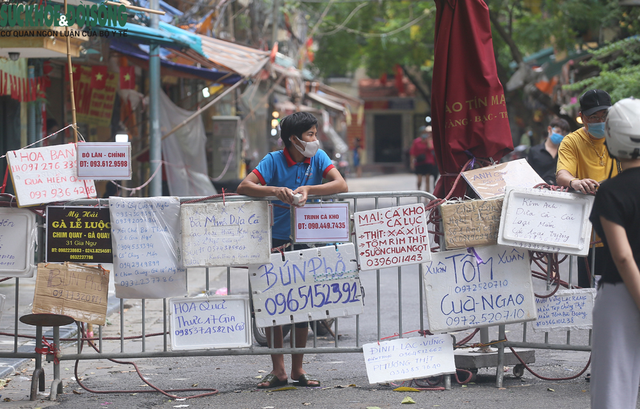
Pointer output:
556, 138
597, 130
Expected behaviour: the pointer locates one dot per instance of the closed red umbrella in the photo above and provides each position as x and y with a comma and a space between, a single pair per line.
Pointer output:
467, 101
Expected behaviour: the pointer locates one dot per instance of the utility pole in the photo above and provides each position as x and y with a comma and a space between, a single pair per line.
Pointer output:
155, 141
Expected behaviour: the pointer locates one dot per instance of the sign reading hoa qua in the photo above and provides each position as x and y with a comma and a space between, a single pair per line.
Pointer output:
47, 16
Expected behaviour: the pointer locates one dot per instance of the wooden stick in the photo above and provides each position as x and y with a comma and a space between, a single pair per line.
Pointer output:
137, 8
70, 67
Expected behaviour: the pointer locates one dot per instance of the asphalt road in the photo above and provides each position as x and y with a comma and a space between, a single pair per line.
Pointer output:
343, 376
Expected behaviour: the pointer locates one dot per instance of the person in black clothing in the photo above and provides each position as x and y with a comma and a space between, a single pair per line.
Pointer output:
615, 365
543, 158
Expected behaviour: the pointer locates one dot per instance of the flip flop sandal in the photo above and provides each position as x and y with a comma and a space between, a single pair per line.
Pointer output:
304, 381
272, 382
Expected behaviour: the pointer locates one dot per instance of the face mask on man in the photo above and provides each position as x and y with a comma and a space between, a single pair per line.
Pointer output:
308, 148
556, 138
596, 130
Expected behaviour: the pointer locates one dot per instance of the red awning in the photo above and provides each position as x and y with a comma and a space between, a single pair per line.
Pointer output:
467, 102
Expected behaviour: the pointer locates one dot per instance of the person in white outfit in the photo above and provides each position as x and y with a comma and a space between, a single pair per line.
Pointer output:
615, 365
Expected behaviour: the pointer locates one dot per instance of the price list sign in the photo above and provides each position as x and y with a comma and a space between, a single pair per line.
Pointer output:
79, 234
392, 236
147, 260
46, 175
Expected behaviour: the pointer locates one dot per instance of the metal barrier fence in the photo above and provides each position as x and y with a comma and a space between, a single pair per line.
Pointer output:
393, 303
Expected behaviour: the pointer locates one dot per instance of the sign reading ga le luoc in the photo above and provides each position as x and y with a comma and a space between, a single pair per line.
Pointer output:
18, 236
104, 161
471, 223
308, 285
479, 287
210, 322
321, 223
409, 358
223, 234
48, 174
392, 236
78, 291
552, 222
78, 233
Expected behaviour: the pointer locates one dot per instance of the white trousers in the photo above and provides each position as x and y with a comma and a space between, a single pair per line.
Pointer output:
615, 362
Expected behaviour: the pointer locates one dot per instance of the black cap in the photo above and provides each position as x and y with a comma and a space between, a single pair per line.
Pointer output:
593, 101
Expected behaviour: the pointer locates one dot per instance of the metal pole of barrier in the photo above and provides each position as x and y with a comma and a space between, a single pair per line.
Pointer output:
17, 303
399, 291
121, 325
378, 297
206, 277
500, 365
420, 292
355, 209
144, 319
164, 324
336, 332
100, 338
524, 332
79, 337
228, 280
570, 258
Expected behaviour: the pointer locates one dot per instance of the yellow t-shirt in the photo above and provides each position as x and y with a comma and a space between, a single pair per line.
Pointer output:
579, 157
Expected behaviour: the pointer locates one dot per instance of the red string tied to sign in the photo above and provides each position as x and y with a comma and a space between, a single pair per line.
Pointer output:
49, 349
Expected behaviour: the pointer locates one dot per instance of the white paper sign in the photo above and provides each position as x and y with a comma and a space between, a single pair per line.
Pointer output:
210, 322
104, 160
18, 238
146, 247
46, 175
469, 290
393, 236
566, 310
307, 285
409, 358
231, 234
553, 222
492, 181
321, 223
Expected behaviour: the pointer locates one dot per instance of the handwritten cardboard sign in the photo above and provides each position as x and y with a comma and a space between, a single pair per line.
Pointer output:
321, 223
46, 175
479, 288
75, 290
392, 236
146, 244
18, 237
553, 222
77, 233
307, 285
565, 310
471, 223
210, 322
409, 358
231, 234
104, 160
492, 181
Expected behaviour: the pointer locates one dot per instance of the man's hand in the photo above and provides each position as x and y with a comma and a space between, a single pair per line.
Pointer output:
284, 194
585, 185
303, 191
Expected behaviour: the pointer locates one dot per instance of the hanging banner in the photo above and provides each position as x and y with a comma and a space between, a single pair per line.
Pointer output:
94, 105
78, 233
147, 258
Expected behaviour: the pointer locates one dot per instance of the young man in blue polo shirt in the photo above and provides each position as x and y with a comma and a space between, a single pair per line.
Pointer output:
297, 170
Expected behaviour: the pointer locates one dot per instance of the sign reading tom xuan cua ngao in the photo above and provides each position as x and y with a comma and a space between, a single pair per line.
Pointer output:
79, 234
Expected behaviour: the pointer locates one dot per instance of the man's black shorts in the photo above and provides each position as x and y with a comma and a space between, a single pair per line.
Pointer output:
427, 169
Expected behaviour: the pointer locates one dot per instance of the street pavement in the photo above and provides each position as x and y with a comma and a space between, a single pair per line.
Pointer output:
343, 376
